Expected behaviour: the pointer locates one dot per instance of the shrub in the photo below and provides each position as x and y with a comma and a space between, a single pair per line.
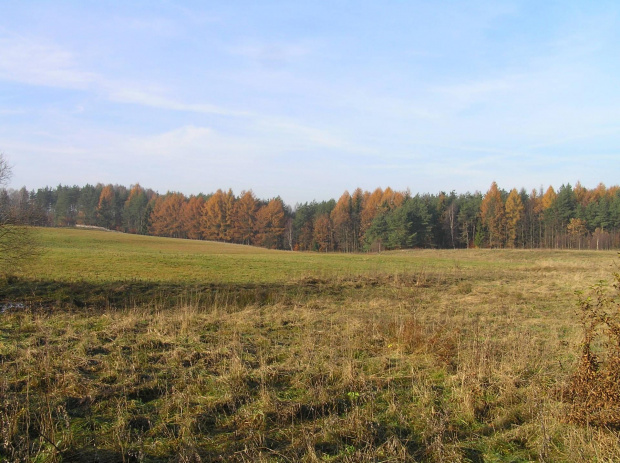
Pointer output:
594, 388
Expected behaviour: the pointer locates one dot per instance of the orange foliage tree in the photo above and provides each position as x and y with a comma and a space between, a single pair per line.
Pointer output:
106, 210
217, 216
322, 233
166, 218
493, 216
514, 216
342, 223
270, 222
371, 207
191, 217
244, 218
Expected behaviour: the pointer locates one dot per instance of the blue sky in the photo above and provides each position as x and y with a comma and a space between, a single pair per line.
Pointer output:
307, 99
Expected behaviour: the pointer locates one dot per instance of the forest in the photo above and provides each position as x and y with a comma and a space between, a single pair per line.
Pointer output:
384, 219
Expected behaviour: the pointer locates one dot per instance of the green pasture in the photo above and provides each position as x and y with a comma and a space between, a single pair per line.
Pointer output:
97, 256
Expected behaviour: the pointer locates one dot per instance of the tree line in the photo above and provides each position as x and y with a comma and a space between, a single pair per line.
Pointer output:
571, 217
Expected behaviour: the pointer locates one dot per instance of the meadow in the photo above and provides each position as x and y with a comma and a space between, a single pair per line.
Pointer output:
117, 348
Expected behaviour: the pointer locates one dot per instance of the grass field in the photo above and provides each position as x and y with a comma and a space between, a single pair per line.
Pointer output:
132, 348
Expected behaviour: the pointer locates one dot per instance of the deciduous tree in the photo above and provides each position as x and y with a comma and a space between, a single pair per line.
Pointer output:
270, 222
493, 216
577, 229
166, 216
342, 223
322, 233
514, 216
217, 216
191, 217
244, 218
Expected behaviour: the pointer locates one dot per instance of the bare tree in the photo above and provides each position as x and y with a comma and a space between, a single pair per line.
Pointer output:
17, 243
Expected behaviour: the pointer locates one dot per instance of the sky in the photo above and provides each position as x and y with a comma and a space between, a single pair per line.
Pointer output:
305, 100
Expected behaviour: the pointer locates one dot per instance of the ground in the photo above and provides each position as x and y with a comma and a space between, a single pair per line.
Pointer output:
131, 348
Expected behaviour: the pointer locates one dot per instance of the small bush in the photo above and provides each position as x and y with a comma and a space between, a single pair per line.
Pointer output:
594, 389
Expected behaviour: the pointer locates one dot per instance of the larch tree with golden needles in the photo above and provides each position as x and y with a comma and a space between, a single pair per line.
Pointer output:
270, 222
166, 218
599, 192
191, 217
514, 217
342, 223
581, 194
493, 216
577, 230
322, 233
549, 216
244, 218
392, 199
217, 216
371, 206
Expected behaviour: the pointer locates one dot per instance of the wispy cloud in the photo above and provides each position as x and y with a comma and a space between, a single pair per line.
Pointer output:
36, 62
291, 136
126, 94
191, 143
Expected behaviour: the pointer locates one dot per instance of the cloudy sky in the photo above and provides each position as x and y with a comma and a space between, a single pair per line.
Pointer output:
307, 99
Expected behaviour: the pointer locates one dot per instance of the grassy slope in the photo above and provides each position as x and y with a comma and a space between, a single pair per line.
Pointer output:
95, 256
415, 355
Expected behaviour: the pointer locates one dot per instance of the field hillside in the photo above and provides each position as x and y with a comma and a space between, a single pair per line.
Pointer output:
118, 348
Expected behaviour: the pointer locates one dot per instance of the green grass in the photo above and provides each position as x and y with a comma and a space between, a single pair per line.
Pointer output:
96, 256
146, 349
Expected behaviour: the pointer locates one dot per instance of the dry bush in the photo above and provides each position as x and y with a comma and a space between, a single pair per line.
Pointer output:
594, 389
